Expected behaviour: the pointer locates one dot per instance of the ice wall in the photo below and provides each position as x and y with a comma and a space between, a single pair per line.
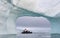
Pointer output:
5, 8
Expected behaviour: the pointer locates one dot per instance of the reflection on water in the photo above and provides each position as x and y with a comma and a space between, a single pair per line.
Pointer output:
34, 35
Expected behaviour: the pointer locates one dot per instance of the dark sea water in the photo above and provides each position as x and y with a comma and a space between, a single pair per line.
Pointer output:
55, 35
8, 36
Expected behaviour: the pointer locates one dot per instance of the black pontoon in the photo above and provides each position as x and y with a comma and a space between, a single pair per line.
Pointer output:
26, 32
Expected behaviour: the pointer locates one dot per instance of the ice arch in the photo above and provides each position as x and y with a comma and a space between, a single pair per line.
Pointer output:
13, 15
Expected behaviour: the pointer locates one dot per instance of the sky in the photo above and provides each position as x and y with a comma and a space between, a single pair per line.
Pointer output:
36, 24
47, 7
33, 22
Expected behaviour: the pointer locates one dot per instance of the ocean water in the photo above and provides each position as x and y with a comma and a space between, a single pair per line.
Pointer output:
28, 36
